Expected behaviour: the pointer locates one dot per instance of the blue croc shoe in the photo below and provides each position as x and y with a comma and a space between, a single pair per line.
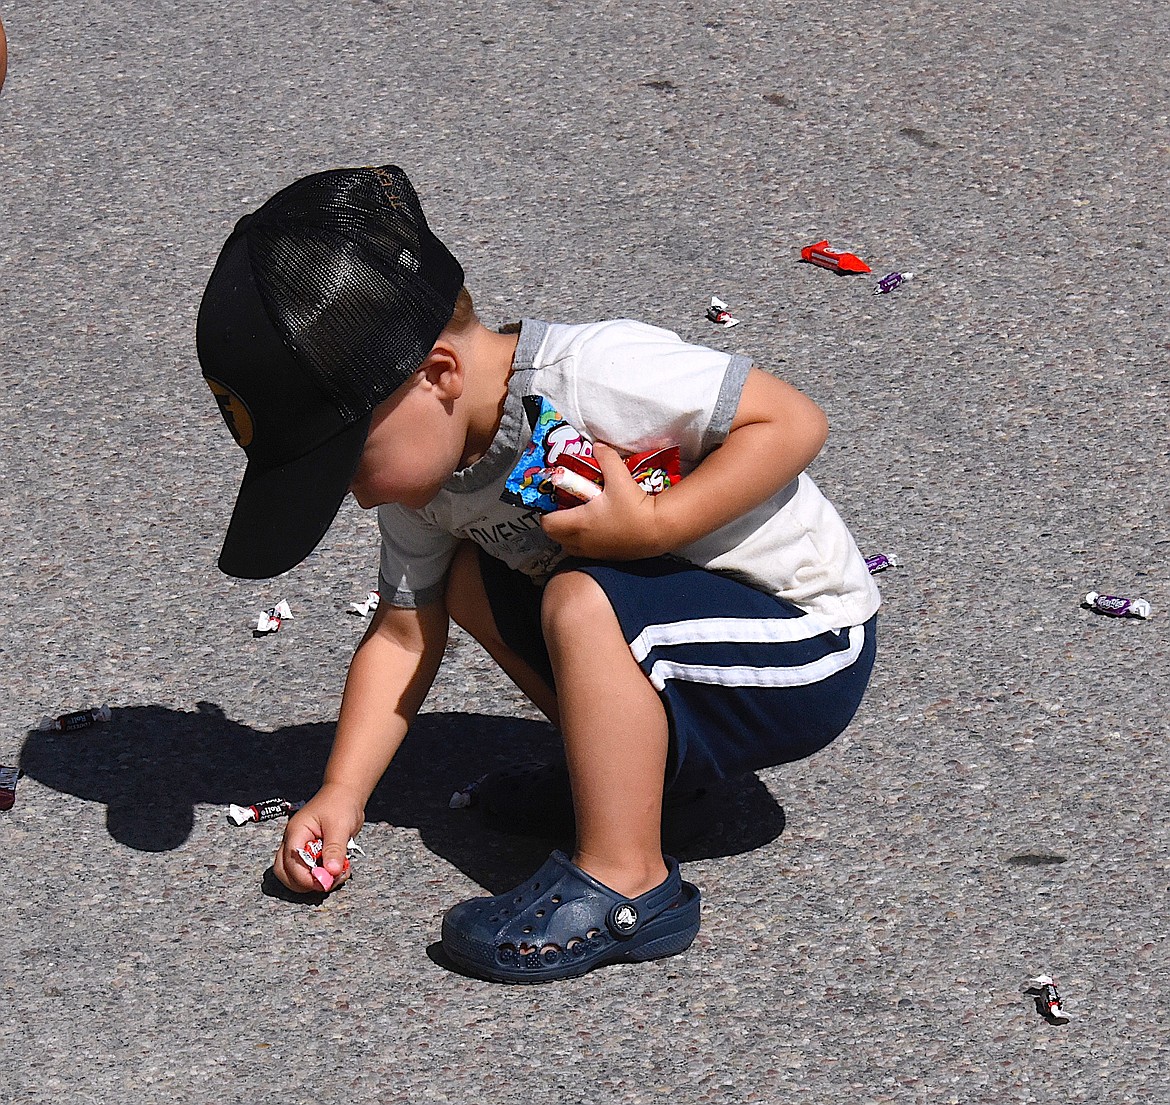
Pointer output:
562, 923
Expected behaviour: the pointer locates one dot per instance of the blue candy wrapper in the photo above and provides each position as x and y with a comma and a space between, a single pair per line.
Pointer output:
552, 439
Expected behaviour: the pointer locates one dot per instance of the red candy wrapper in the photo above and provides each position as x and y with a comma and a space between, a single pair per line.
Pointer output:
544, 476
654, 471
9, 777
820, 254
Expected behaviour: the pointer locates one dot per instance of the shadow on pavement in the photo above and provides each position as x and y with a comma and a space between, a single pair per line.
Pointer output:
151, 765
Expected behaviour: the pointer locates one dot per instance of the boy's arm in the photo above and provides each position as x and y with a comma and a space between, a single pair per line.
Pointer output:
389, 677
776, 433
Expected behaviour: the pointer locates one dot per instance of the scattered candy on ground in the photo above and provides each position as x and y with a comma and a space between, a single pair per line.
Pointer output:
718, 313
820, 254
1048, 999
1118, 607
267, 810
891, 281
364, 609
269, 621
82, 719
9, 777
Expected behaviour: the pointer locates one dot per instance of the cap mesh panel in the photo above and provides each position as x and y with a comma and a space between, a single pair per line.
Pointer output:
354, 279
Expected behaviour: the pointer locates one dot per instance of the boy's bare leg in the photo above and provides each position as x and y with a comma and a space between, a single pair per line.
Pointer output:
468, 605
616, 737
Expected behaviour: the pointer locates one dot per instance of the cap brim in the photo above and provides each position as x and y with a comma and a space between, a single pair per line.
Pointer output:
282, 513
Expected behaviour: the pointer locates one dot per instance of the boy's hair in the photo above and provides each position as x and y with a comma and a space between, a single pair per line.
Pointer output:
464, 313
322, 304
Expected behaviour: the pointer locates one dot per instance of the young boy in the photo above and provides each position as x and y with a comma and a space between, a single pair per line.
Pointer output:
723, 625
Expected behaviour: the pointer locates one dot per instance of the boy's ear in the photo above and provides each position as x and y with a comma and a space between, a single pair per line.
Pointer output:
442, 370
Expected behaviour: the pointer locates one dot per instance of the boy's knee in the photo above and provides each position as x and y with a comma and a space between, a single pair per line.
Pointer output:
573, 602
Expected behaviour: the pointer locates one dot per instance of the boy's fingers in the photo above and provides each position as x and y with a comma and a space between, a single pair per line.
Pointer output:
610, 461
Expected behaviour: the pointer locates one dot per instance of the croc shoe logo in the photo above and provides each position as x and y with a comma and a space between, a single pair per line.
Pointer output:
235, 412
625, 917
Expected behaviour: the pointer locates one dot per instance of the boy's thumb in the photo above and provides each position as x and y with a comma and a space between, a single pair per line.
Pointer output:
333, 856
608, 458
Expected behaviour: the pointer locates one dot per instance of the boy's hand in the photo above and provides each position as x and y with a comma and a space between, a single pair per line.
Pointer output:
620, 524
334, 814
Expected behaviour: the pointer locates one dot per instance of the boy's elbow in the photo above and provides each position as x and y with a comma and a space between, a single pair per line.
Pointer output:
823, 435
817, 429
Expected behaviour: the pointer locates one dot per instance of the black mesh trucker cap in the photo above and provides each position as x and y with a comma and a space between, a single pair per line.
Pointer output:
322, 303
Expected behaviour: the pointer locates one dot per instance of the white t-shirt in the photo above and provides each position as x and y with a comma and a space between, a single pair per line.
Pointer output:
636, 387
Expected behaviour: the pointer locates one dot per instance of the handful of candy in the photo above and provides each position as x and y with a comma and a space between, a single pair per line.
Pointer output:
311, 856
558, 469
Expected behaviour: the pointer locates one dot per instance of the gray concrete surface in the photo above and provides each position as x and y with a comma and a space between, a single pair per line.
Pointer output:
997, 810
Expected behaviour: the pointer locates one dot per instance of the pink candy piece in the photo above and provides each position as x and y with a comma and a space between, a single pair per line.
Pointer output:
322, 877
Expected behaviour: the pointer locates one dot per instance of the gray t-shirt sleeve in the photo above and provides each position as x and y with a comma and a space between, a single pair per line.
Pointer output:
415, 557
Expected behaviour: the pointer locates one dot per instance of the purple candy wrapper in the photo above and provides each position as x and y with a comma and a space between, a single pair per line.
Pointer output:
891, 281
1117, 606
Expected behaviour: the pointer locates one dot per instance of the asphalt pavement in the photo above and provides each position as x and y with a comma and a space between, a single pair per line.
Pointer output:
998, 809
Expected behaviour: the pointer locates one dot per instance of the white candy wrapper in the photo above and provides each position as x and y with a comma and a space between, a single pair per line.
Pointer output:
365, 609
720, 315
269, 620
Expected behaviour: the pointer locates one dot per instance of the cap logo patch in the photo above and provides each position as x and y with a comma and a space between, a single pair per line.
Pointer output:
390, 190
235, 412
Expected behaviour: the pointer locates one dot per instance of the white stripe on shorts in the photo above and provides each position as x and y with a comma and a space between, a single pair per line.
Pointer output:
742, 676
729, 630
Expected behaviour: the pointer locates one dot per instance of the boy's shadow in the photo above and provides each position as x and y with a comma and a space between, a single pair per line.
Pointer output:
150, 766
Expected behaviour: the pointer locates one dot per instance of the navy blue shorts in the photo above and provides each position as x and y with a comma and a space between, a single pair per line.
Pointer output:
748, 680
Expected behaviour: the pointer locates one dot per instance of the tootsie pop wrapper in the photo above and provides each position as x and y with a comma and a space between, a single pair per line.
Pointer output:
1116, 606
267, 810
82, 719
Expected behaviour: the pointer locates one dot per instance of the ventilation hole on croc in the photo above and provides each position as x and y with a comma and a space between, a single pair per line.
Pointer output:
536, 886
592, 934
517, 900
540, 913
555, 899
575, 944
506, 953
550, 954
527, 931
525, 949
